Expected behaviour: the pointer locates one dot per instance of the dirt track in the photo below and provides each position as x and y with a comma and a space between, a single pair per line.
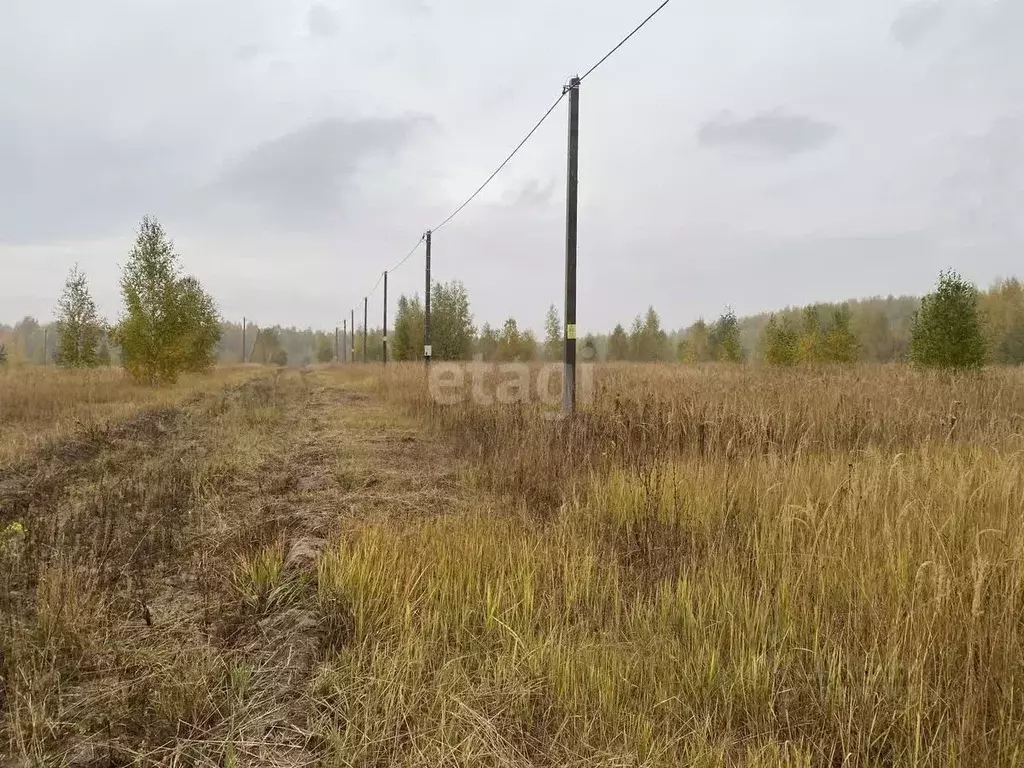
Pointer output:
138, 624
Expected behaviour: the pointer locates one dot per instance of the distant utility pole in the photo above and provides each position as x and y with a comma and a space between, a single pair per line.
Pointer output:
337, 346
366, 303
353, 315
571, 220
46, 339
244, 321
427, 351
385, 317
344, 341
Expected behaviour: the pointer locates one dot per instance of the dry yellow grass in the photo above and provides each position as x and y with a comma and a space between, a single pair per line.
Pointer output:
39, 404
159, 602
708, 566
717, 566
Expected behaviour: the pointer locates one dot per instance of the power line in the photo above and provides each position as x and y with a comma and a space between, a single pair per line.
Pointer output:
409, 255
375, 286
547, 114
506, 162
380, 277
369, 293
625, 40
521, 144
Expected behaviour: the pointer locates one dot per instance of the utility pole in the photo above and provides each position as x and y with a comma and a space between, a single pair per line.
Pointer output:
385, 318
244, 321
571, 221
337, 346
353, 312
46, 339
427, 351
344, 342
366, 303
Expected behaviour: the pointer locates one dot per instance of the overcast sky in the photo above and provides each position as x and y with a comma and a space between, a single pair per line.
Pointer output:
753, 153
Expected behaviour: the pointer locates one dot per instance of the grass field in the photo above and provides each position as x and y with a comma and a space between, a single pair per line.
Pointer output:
708, 566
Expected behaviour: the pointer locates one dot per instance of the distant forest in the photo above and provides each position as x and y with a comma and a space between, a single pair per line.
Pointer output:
881, 325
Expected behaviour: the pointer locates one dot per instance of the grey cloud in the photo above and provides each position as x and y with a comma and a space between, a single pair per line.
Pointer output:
308, 175
220, 128
321, 21
1001, 26
916, 21
249, 52
772, 132
60, 184
533, 194
985, 195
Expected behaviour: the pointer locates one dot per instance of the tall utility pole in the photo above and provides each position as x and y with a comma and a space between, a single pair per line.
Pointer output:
353, 311
571, 220
385, 318
366, 303
337, 346
427, 351
344, 341
244, 321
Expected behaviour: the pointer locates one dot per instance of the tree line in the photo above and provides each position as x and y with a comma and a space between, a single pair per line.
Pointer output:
170, 325
955, 326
